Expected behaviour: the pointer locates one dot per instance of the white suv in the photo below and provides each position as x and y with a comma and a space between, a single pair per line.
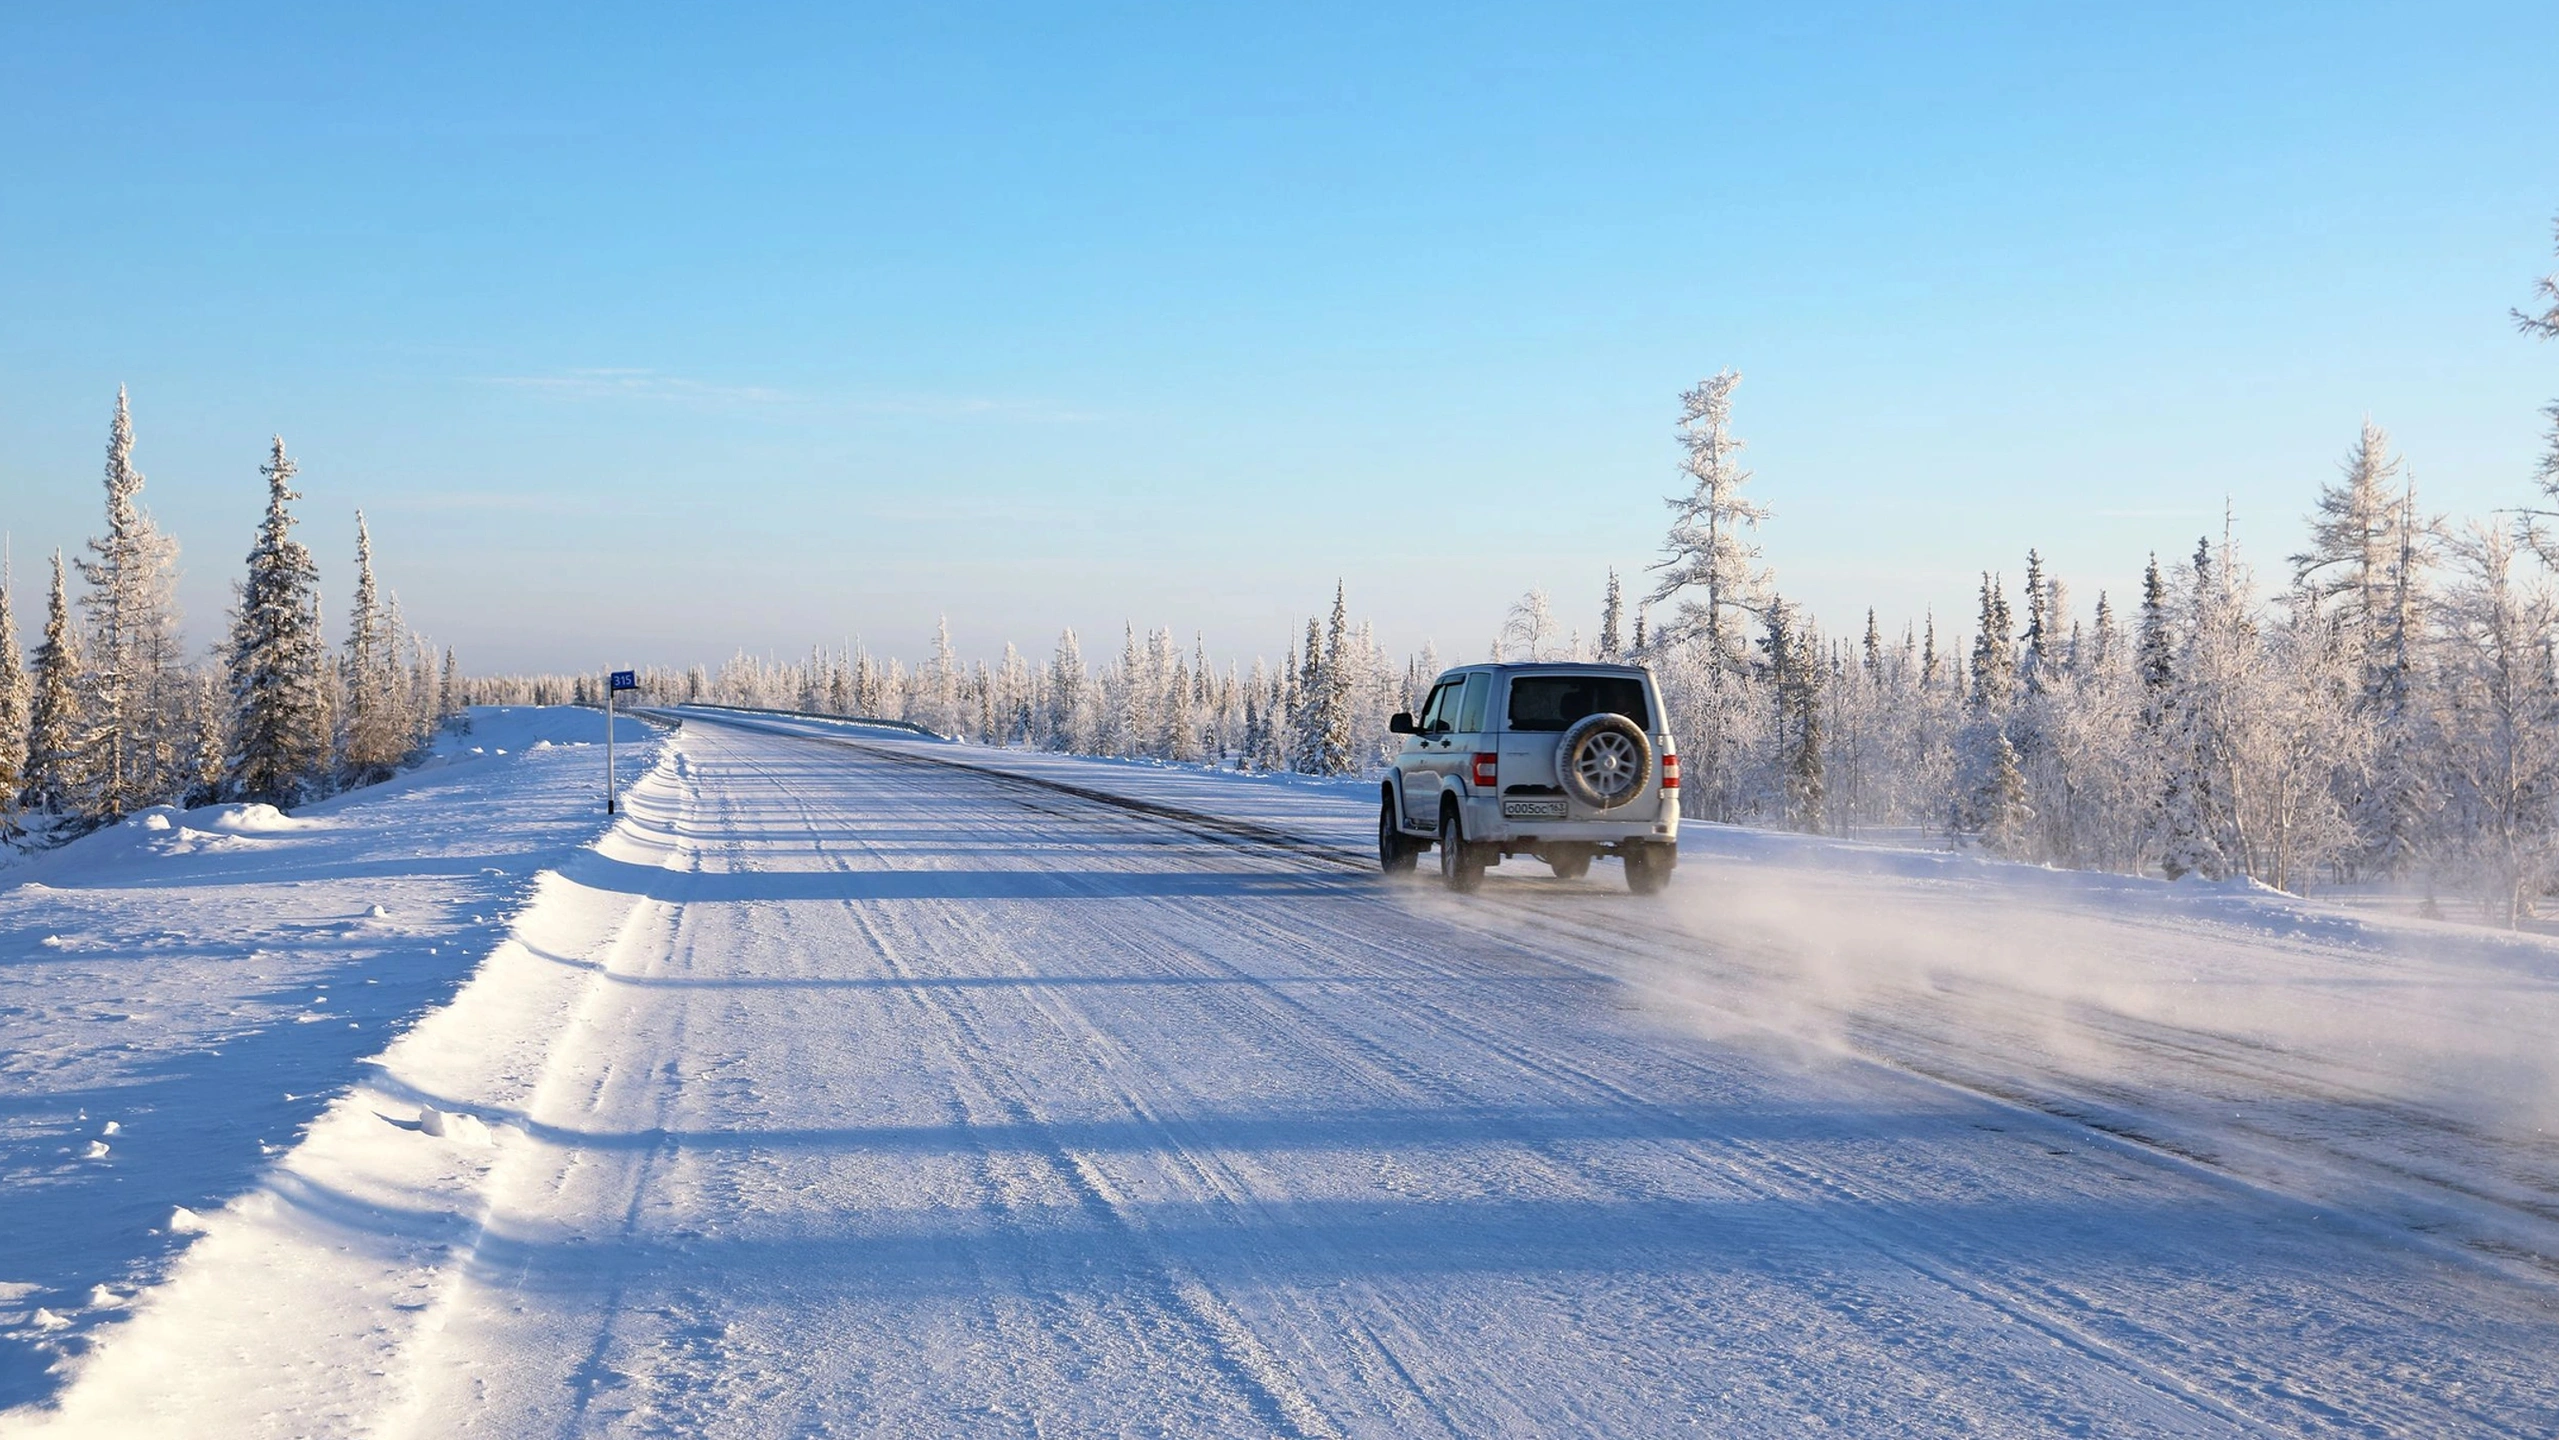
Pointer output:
1563, 762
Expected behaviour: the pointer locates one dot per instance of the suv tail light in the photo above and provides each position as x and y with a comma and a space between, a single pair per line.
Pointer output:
1487, 771
1670, 772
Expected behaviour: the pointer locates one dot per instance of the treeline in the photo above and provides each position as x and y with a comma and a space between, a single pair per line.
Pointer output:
111, 715
2389, 710
1321, 710
2385, 710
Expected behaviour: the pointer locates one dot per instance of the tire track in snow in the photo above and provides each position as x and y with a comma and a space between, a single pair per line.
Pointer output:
1638, 1118
989, 1100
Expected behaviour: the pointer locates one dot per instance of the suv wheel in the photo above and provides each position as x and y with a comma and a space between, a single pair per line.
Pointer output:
1648, 869
1460, 864
1395, 851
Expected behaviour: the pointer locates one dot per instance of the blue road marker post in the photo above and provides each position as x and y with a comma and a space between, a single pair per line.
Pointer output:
615, 684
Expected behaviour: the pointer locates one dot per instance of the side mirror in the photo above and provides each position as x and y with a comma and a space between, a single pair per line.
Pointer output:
1399, 723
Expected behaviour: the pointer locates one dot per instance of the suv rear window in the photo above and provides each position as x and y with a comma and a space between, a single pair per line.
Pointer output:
1556, 702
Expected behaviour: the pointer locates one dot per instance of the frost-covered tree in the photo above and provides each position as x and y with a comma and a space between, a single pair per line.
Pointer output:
1612, 614
1711, 569
2036, 655
1067, 724
452, 688
279, 748
209, 754
2181, 821
14, 701
2355, 544
2003, 813
2156, 657
935, 701
57, 765
1528, 631
1791, 666
1334, 747
376, 721
1983, 748
2502, 745
2298, 731
135, 681
1016, 699
1710, 563
2545, 326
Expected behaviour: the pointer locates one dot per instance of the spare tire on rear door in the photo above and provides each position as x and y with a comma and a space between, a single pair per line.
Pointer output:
1604, 760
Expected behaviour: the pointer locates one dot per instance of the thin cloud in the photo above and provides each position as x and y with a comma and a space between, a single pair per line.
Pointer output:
484, 500
613, 383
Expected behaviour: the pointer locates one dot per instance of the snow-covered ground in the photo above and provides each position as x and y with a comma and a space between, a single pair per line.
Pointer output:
182, 994
865, 1085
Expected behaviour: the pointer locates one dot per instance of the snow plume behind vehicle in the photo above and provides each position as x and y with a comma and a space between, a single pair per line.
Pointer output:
2402, 1066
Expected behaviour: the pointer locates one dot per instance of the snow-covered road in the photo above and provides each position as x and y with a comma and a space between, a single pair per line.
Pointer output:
844, 1091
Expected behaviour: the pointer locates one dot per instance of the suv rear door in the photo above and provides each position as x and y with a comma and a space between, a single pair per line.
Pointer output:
1541, 706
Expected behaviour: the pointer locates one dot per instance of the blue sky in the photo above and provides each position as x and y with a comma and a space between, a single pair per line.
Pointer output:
648, 334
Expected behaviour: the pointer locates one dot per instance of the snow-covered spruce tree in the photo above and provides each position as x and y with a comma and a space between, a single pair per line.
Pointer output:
2005, 815
1305, 697
401, 679
426, 702
812, 686
1791, 662
935, 702
2181, 820
1336, 749
1125, 714
279, 750
456, 698
135, 682
981, 705
57, 765
376, 725
14, 701
1984, 748
2502, 745
2034, 656
1022, 698
1612, 614
1259, 750
1065, 726
1984, 739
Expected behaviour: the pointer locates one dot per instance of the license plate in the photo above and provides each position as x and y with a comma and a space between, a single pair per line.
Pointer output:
1532, 809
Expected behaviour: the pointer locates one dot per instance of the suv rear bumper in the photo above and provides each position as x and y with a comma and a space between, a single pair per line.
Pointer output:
1485, 825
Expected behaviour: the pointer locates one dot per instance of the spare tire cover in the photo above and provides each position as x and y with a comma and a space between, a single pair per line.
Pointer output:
1604, 760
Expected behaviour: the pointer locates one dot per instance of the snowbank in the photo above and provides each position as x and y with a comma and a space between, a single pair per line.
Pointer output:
183, 993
